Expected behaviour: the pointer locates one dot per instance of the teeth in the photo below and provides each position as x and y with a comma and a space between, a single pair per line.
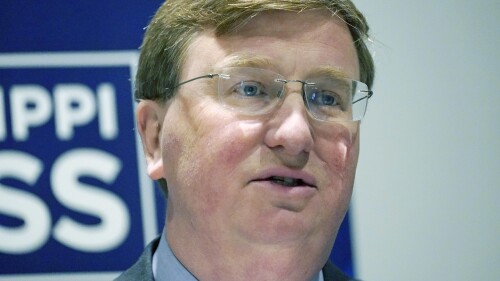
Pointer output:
285, 181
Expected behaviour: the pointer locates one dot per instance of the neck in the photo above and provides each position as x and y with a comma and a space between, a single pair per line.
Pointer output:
212, 259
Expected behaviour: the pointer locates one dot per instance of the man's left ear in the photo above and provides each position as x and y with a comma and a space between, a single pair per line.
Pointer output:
149, 120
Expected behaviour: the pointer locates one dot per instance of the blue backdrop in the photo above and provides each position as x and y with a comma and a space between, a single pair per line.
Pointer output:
74, 201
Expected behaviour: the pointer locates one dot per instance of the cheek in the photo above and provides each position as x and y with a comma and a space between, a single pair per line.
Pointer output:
228, 145
340, 156
203, 158
223, 153
186, 166
225, 146
339, 151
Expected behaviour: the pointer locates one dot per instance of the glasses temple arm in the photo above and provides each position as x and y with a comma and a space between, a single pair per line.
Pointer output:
211, 75
369, 95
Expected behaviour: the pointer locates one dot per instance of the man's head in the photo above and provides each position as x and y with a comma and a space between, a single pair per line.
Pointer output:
178, 22
246, 115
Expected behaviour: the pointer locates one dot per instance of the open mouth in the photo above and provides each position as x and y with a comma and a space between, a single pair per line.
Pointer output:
289, 182
286, 178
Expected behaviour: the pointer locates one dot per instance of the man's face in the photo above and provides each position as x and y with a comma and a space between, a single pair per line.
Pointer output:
227, 172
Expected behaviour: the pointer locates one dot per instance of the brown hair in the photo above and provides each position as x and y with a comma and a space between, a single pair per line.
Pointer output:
178, 22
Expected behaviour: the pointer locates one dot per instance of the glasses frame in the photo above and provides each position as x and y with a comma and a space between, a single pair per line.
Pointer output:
369, 93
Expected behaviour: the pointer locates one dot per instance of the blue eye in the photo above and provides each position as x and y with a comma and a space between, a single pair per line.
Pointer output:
250, 89
324, 98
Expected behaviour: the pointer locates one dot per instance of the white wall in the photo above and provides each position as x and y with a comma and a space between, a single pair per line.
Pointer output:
427, 199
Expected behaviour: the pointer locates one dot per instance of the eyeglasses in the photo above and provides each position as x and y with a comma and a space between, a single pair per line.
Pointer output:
255, 91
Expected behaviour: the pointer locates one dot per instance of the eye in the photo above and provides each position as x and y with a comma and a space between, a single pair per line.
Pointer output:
249, 89
324, 98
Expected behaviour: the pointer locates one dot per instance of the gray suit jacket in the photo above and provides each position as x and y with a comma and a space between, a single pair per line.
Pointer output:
142, 269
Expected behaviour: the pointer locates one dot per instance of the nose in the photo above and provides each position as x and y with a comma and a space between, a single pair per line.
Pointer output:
289, 127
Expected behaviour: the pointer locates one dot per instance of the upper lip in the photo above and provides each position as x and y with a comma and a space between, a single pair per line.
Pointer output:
305, 177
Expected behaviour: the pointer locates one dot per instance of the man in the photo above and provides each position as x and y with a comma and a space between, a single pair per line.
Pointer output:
249, 116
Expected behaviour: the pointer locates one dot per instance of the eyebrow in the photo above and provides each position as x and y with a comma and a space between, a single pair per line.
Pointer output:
335, 74
330, 72
244, 60
248, 60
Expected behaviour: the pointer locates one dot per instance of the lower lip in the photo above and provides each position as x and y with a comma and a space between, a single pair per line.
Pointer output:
287, 191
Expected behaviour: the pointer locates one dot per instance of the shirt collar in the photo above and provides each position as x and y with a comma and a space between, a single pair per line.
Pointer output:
166, 267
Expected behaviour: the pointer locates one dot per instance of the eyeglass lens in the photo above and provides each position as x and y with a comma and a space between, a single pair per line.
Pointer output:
258, 91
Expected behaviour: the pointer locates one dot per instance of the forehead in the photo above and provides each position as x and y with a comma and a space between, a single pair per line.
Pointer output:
290, 43
271, 22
